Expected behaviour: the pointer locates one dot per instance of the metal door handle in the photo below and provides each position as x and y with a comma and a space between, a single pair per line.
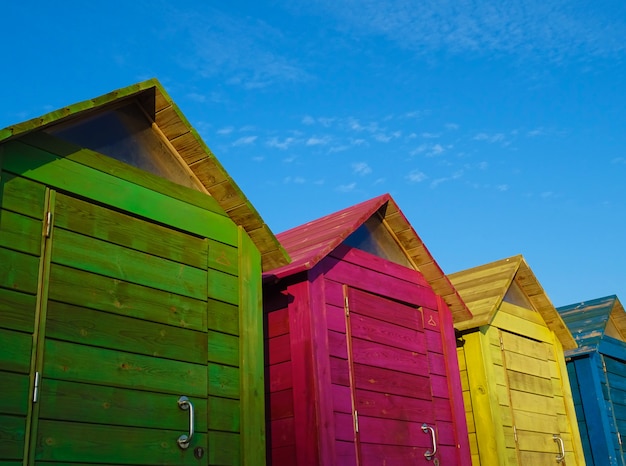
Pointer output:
561, 456
429, 454
185, 405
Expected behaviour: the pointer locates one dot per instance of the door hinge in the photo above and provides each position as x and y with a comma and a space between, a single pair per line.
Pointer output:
356, 421
603, 366
619, 438
346, 307
515, 433
36, 388
501, 344
48, 224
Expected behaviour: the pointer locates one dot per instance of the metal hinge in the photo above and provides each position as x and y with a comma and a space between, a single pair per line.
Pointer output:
515, 433
345, 306
36, 388
356, 421
48, 224
501, 344
619, 438
603, 366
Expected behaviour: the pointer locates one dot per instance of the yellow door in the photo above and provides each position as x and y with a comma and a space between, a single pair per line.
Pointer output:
542, 431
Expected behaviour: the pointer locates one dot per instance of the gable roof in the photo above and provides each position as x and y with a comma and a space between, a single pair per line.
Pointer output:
308, 244
483, 289
588, 320
194, 155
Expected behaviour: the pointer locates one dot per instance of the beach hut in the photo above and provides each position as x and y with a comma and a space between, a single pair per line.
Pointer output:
130, 291
517, 394
597, 371
361, 349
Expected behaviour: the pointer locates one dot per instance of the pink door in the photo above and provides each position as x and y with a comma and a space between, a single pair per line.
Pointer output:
394, 419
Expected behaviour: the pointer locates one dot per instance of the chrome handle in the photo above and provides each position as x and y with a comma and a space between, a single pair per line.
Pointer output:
185, 405
561, 456
429, 454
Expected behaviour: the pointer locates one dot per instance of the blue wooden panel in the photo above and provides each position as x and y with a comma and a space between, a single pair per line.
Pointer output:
580, 412
616, 387
595, 411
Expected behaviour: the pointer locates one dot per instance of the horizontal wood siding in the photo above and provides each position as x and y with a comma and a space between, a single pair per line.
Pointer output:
279, 383
21, 215
615, 398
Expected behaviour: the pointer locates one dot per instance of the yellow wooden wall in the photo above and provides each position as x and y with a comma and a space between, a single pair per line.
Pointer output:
508, 412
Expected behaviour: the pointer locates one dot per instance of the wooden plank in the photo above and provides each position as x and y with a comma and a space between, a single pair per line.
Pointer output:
115, 296
392, 382
223, 257
22, 196
383, 332
224, 381
521, 326
89, 327
373, 281
252, 377
19, 271
281, 404
69, 176
224, 414
391, 455
391, 432
14, 399
223, 317
305, 392
20, 233
225, 449
486, 410
278, 323
95, 404
124, 230
370, 305
17, 310
280, 376
279, 349
222, 349
93, 443
73, 362
96, 256
385, 405
11, 437
223, 287
373, 354
16, 349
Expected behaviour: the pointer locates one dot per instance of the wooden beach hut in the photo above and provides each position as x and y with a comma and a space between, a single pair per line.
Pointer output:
597, 372
130, 291
361, 349
517, 394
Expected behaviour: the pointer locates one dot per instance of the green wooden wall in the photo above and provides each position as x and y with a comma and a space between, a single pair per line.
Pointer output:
138, 292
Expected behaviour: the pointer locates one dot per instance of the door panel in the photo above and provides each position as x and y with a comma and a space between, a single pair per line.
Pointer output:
536, 399
125, 337
391, 384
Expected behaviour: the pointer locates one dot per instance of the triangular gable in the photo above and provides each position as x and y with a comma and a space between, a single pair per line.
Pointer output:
483, 289
590, 321
192, 155
308, 244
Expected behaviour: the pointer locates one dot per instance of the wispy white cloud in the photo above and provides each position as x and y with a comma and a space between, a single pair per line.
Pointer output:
245, 51
416, 176
226, 130
294, 180
456, 175
308, 120
619, 160
554, 29
361, 168
490, 138
318, 141
276, 143
502, 187
245, 141
346, 188
430, 150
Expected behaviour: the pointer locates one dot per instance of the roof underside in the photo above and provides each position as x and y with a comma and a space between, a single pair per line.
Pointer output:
308, 244
189, 148
589, 320
483, 289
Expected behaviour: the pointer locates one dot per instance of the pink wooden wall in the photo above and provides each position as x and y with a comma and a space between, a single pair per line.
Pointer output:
397, 368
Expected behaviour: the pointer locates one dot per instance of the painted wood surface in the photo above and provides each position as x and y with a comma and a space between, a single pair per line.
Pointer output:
361, 349
127, 314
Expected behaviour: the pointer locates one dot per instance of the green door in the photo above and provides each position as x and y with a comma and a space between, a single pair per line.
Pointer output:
123, 337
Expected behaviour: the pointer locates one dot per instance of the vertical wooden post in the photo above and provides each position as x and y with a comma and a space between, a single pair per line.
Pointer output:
251, 353
485, 404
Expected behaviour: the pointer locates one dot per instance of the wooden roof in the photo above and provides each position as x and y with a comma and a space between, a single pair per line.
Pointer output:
187, 145
589, 321
483, 289
308, 244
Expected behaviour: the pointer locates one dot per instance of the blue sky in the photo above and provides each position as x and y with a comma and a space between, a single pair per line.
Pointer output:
498, 127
